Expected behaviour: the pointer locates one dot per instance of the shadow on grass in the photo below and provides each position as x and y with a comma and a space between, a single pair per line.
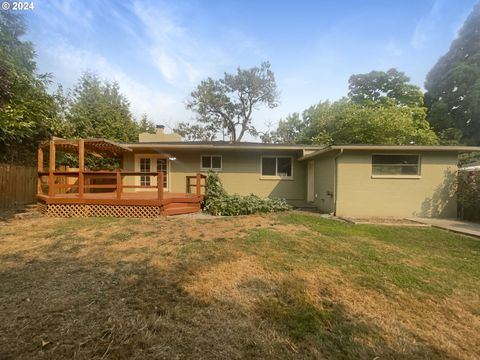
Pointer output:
326, 330
96, 307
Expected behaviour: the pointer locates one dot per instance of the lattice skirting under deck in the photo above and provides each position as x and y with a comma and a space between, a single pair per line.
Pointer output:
81, 210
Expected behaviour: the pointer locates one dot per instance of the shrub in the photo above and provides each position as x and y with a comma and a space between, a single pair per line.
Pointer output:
218, 202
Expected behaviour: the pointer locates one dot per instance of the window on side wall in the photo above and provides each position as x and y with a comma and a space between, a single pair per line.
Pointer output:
277, 167
211, 162
396, 165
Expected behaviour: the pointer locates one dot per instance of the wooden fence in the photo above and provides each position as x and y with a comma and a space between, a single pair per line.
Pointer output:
18, 185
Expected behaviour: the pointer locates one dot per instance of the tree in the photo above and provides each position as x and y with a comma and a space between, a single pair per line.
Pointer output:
28, 114
380, 87
192, 132
289, 130
453, 86
393, 125
98, 109
227, 104
145, 125
381, 108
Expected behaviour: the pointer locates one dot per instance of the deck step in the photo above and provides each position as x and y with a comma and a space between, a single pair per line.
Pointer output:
182, 205
181, 210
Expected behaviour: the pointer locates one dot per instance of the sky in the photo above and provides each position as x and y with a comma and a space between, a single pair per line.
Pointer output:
159, 51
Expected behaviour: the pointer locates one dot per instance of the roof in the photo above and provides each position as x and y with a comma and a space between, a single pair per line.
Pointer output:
220, 145
367, 147
96, 146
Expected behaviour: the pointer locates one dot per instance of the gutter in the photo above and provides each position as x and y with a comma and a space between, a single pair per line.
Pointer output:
166, 145
335, 180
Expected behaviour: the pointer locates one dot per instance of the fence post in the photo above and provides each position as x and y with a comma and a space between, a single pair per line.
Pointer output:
39, 170
198, 184
160, 185
81, 167
119, 185
51, 170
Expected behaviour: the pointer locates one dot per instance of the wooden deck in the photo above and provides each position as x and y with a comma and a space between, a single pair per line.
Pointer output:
127, 198
76, 193
131, 204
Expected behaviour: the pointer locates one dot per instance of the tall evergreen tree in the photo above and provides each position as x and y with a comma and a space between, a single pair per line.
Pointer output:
453, 86
98, 109
146, 125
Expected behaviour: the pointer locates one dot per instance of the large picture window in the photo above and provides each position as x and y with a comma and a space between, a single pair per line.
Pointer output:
277, 166
211, 162
395, 165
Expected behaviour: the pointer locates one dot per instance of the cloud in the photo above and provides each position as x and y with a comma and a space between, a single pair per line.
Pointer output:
65, 14
426, 26
70, 62
393, 48
151, 48
182, 57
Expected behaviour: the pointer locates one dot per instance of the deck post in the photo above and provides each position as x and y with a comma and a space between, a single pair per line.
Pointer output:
198, 184
119, 184
51, 170
81, 167
39, 169
160, 185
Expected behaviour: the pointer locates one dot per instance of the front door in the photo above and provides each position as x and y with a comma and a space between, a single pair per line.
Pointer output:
311, 181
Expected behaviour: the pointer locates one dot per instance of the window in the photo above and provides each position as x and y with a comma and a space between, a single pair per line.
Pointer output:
162, 166
211, 162
145, 167
277, 166
395, 165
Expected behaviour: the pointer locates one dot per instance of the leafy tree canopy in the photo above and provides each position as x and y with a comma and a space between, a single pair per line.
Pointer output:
28, 114
453, 87
227, 104
380, 87
382, 108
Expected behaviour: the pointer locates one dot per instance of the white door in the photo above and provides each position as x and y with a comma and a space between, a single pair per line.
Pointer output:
311, 181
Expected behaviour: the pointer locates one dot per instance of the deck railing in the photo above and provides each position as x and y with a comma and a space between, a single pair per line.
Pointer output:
83, 182
197, 184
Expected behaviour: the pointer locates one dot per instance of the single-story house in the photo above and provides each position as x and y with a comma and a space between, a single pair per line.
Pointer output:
347, 180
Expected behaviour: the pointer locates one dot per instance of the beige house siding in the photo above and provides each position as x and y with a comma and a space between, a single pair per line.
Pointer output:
324, 182
240, 173
361, 194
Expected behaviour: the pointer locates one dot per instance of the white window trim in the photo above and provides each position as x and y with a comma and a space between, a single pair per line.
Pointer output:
398, 176
275, 177
210, 168
153, 168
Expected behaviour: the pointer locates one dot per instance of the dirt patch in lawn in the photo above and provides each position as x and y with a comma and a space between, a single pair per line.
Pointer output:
271, 286
393, 221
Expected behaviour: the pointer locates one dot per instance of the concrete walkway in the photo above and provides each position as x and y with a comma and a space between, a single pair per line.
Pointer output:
459, 226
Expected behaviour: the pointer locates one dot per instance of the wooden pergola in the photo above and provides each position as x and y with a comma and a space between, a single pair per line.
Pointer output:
114, 199
98, 147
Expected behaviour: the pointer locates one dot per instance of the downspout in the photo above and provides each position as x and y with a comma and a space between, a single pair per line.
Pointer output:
335, 181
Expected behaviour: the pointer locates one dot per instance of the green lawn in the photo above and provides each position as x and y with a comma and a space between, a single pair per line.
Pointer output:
289, 285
